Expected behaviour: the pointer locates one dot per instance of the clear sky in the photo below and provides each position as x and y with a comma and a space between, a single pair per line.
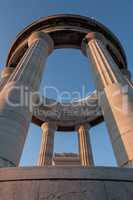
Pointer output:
67, 69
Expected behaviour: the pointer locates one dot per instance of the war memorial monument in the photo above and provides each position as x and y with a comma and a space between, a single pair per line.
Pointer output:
66, 177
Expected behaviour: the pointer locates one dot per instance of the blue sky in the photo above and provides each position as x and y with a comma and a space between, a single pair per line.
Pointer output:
117, 15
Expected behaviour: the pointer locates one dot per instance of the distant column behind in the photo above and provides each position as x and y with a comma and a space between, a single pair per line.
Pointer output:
85, 151
47, 144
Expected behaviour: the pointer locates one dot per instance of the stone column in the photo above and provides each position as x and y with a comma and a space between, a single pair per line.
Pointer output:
47, 144
5, 75
15, 112
85, 151
115, 97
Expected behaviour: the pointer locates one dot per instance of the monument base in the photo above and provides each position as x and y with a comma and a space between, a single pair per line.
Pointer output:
66, 183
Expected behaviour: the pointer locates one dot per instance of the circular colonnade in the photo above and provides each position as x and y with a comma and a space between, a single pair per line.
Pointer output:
67, 31
25, 65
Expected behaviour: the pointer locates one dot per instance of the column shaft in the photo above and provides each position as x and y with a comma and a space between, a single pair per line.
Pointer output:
85, 151
15, 113
115, 98
47, 144
5, 75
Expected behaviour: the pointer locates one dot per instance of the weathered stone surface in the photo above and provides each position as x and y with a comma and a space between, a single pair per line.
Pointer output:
52, 190
119, 190
76, 183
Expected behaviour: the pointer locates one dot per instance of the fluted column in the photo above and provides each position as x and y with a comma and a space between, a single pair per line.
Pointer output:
15, 113
85, 150
115, 97
5, 75
47, 144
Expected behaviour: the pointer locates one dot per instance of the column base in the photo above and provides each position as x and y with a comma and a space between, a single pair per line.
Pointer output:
76, 183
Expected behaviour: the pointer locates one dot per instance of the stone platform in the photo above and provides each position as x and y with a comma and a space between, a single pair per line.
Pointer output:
66, 183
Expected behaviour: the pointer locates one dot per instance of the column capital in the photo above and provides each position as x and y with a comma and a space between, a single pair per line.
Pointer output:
91, 36
35, 36
49, 125
82, 126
